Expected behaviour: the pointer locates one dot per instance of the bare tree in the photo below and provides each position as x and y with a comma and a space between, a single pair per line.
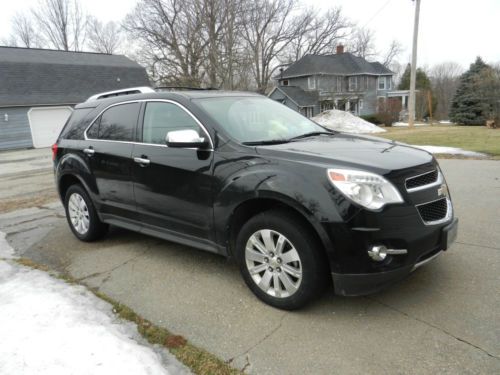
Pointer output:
103, 38
320, 34
62, 23
362, 43
269, 28
393, 51
172, 43
444, 78
24, 33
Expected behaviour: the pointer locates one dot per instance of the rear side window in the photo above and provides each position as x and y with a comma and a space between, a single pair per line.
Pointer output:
161, 118
76, 124
116, 123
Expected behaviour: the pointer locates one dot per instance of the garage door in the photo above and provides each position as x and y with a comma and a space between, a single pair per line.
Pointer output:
46, 124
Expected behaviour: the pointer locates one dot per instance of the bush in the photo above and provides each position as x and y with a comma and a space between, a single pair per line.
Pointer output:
374, 119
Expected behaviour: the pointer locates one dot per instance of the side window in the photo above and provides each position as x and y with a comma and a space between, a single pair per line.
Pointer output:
116, 124
93, 131
161, 118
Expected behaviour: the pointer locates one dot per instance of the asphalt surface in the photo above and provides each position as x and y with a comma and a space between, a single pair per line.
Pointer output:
444, 318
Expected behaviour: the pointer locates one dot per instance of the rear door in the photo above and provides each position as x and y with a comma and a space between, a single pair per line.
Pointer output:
108, 146
173, 188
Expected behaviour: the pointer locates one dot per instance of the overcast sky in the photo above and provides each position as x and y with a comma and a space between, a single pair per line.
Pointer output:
450, 30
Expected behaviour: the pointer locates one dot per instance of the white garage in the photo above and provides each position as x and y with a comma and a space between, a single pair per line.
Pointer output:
46, 124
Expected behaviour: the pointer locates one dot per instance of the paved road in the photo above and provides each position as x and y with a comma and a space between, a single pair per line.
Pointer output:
444, 319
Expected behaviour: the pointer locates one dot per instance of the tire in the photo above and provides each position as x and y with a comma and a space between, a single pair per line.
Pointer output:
289, 278
82, 216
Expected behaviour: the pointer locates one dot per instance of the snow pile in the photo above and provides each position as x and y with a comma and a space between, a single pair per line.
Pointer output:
50, 327
450, 150
345, 122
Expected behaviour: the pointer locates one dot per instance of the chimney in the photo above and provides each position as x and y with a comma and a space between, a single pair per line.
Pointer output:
340, 49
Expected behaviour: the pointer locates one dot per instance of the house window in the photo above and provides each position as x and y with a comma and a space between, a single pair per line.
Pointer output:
367, 83
308, 111
353, 83
381, 83
360, 103
311, 83
285, 82
389, 83
339, 84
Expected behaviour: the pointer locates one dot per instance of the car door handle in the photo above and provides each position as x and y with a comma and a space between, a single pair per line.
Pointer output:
89, 151
143, 162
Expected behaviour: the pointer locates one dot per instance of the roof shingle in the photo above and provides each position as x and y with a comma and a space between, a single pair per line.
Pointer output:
38, 77
338, 64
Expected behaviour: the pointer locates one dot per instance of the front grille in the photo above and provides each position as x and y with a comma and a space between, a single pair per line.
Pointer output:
422, 180
433, 211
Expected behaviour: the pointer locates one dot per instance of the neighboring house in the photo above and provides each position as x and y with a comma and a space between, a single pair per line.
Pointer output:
39, 87
316, 83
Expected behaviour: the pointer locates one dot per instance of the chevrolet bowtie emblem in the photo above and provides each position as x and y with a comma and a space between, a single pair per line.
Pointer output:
443, 191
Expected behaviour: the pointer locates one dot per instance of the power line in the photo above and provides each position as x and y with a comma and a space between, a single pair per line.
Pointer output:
377, 13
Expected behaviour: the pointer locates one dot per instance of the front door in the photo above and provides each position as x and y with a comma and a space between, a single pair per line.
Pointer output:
173, 186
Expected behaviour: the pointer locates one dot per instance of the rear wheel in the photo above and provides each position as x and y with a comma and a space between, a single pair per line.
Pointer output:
82, 216
280, 260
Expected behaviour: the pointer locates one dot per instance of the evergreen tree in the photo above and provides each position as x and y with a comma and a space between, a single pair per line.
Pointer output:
423, 85
468, 106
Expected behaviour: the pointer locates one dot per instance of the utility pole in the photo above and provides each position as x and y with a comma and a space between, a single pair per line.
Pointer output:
413, 73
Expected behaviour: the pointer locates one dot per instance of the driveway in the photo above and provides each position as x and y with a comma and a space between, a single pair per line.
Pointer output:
443, 319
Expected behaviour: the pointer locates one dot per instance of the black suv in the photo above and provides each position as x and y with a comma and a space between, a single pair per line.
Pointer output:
240, 175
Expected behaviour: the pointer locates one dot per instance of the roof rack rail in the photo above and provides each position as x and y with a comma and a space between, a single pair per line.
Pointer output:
174, 88
126, 91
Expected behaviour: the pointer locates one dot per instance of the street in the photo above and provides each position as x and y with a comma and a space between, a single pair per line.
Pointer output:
444, 318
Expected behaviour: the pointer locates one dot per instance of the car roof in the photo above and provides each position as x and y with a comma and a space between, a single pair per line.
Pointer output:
173, 95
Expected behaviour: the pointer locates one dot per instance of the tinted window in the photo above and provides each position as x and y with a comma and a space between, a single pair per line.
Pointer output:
93, 131
161, 118
76, 124
117, 123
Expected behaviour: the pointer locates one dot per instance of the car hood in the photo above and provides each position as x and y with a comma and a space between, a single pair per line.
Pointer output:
350, 150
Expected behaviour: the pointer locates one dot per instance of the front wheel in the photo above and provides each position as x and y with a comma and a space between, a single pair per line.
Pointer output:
280, 260
82, 216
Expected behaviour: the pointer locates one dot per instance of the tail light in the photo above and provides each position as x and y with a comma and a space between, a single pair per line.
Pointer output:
54, 151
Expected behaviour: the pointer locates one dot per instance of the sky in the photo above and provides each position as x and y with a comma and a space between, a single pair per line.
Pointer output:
450, 30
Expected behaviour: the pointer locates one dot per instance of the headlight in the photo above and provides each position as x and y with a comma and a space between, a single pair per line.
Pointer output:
364, 188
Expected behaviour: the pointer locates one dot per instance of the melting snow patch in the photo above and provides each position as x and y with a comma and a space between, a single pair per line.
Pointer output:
450, 150
6, 251
345, 122
50, 327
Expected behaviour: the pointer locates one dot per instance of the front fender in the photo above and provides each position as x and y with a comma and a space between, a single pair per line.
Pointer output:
306, 191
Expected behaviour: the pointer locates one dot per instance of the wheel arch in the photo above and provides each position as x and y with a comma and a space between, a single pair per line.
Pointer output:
253, 206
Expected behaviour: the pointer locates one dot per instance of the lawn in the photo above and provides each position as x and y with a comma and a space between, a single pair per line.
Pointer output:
473, 138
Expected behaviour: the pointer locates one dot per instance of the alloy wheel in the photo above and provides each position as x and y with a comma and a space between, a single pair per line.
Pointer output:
273, 263
78, 213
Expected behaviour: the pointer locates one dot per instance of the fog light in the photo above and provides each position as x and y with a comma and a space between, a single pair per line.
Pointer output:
378, 253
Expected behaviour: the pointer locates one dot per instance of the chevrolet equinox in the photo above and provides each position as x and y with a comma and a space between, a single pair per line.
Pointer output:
296, 204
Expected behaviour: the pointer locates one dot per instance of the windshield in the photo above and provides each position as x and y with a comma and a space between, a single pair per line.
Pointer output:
256, 119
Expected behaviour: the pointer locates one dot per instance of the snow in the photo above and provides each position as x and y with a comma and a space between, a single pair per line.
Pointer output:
403, 124
50, 327
450, 150
6, 251
345, 122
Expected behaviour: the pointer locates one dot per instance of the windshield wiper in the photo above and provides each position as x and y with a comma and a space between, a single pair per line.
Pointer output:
311, 134
266, 142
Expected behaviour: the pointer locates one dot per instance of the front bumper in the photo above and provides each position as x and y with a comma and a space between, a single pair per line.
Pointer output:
355, 284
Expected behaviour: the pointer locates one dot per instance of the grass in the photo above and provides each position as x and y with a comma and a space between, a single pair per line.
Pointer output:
473, 138
198, 360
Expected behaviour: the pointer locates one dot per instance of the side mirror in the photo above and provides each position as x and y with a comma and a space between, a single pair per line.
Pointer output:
185, 139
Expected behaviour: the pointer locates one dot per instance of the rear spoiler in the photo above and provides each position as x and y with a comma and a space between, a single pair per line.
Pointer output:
127, 91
